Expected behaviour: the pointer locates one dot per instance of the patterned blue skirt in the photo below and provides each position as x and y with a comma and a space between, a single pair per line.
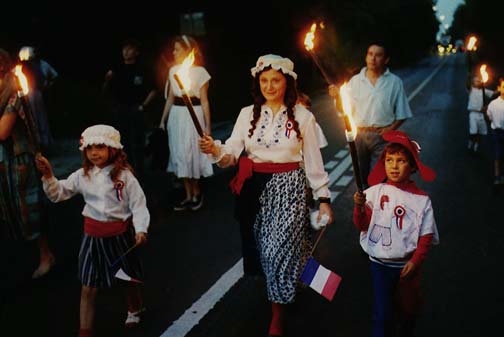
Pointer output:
280, 229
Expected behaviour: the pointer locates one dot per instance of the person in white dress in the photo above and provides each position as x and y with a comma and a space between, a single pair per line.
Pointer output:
186, 161
282, 160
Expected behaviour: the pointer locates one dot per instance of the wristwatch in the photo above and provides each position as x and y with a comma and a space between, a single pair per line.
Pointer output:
323, 200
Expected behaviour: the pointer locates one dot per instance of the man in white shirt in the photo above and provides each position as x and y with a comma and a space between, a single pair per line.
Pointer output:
379, 104
476, 107
495, 114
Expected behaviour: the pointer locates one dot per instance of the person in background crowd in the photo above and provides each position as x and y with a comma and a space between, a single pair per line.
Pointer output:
477, 108
21, 211
495, 114
132, 88
186, 161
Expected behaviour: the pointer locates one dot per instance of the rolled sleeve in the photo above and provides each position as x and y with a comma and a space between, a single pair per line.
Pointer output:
318, 178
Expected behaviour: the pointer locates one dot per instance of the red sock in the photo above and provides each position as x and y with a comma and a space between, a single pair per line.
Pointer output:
85, 333
277, 318
134, 298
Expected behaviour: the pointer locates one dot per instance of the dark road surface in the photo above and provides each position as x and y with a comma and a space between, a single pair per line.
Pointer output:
188, 252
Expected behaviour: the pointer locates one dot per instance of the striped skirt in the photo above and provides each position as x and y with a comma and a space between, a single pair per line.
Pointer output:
273, 207
99, 259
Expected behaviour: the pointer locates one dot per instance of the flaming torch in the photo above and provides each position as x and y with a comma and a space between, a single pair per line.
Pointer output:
309, 43
471, 47
184, 81
27, 115
471, 43
484, 79
350, 133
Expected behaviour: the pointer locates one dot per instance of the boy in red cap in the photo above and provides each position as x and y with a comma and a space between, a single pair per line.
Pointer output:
397, 228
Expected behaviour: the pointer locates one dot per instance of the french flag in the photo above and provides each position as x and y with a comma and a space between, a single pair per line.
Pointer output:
123, 276
320, 279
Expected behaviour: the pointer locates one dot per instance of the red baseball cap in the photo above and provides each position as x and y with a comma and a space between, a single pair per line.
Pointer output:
378, 174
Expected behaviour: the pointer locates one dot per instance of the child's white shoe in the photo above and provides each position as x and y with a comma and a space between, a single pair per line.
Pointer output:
133, 319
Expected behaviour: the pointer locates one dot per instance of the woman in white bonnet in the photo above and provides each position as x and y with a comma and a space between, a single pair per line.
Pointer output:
282, 154
186, 161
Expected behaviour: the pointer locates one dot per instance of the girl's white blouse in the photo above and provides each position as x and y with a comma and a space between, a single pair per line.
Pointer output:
275, 141
103, 201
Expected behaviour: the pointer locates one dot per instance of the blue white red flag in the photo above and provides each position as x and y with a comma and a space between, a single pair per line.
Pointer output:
320, 279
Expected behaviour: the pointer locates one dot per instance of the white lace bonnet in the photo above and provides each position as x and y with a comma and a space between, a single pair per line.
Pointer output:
100, 134
276, 62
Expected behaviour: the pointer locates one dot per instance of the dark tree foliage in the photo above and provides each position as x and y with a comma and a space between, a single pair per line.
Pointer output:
482, 17
82, 40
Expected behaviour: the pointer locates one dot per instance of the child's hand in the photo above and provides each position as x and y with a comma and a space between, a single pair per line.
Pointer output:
408, 270
207, 145
141, 238
44, 166
359, 198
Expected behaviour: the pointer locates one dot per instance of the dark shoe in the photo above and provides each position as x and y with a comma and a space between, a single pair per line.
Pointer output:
44, 267
182, 205
197, 202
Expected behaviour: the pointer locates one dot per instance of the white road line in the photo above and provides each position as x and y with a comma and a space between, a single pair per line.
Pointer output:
334, 195
339, 170
343, 181
201, 307
427, 80
207, 301
341, 154
330, 164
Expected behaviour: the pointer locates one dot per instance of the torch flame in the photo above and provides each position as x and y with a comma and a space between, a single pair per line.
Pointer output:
310, 37
183, 73
471, 44
484, 74
23, 82
347, 109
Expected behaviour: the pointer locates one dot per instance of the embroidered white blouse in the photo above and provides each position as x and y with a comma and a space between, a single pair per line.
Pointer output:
274, 141
103, 201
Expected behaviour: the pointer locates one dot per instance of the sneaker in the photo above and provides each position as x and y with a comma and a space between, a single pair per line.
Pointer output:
197, 202
133, 319
182, 205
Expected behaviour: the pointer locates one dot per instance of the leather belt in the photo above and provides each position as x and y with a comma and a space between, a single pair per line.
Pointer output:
180, 101
370, 128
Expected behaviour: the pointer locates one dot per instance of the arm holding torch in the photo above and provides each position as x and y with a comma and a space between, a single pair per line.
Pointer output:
27, 114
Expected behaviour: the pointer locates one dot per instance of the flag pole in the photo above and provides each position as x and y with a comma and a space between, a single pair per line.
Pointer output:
318, 240
123, 255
